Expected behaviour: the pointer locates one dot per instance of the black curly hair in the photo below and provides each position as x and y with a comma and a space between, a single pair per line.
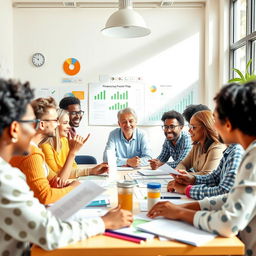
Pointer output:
190, 110
237, 103
14, 98
65, 102
173, 115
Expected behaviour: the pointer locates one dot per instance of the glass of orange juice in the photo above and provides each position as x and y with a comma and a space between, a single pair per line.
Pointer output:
125, 194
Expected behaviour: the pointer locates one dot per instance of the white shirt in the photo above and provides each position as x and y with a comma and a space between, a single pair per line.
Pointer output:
23, 219
235, 212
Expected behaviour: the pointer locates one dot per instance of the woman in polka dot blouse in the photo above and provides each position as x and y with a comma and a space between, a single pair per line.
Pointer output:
233, 213
23, 219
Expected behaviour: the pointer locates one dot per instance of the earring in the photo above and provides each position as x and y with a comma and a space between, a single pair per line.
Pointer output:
14, 140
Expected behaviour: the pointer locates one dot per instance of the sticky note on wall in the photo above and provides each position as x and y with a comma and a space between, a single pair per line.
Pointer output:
79, 94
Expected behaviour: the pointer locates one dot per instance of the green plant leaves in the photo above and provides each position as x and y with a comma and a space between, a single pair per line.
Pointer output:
243, 78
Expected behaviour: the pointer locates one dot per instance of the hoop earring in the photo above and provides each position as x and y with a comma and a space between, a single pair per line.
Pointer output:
14, 140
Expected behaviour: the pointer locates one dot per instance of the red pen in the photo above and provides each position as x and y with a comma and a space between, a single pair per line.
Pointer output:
123, 237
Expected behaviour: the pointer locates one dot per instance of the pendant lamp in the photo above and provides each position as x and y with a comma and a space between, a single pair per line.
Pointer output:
125, 23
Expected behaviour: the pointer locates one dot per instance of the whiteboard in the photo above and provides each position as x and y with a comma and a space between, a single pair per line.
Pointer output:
148, 101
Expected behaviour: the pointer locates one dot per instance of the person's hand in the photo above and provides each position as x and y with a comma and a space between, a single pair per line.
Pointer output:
170, 186
165, 209
74, 183
99, 169
155, 163
134, 161
76, 142
57, 182
117, 218
180, 188
63, 182
185, 179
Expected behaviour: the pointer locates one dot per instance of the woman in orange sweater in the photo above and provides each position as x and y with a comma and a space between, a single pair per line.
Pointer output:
60, 152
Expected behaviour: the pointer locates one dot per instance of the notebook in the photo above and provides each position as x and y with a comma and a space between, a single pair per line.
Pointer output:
177, 230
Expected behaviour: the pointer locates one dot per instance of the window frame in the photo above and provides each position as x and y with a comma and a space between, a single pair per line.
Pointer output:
250, 34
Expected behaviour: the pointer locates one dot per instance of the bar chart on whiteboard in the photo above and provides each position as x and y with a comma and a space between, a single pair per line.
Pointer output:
148, 101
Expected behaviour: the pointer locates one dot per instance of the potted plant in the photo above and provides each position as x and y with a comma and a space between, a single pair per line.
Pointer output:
243, 78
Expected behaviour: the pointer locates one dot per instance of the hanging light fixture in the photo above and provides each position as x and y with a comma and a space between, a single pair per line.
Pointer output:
125, 23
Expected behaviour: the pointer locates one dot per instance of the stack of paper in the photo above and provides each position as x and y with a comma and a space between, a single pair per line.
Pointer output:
162, 170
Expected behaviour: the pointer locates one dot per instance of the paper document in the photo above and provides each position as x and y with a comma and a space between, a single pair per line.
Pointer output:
162, 170
169, 169
124, 168
75, 200
177, 230
112, 171
134, 232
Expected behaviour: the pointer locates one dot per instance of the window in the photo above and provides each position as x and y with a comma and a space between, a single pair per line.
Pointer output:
243, 34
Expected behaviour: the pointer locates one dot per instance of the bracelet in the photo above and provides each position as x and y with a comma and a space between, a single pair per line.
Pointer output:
187, 191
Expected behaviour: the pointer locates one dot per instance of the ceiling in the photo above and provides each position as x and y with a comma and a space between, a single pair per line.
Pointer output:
106, 3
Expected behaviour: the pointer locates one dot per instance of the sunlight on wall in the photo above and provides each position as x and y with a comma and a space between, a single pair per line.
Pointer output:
175, 82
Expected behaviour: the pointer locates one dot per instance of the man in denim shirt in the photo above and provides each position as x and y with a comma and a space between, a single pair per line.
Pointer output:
177, 143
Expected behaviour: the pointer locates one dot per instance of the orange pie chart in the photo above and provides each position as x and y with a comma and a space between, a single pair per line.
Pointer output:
71, 66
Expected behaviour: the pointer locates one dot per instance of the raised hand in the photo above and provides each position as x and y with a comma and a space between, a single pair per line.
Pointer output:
76, 142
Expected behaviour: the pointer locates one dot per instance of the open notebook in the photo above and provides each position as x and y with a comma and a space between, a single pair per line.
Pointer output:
177, 230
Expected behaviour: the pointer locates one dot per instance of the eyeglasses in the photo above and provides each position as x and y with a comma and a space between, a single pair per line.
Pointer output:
192, 127
74, 113
35, 122
51, 120
169, 127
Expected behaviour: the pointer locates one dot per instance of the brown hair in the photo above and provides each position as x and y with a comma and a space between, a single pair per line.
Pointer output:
206, 121
41, 106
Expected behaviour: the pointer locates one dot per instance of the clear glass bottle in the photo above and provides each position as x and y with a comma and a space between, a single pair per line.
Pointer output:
125, 194
154, 193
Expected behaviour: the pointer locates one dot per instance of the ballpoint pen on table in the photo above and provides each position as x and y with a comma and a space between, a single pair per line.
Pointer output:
170, 197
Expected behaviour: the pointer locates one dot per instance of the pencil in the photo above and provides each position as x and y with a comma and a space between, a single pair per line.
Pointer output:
123, 237
129, 235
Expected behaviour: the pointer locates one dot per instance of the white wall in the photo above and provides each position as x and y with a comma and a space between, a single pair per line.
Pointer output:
6, 39
63, 33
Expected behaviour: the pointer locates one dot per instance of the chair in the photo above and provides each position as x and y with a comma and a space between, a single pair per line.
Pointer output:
85, 159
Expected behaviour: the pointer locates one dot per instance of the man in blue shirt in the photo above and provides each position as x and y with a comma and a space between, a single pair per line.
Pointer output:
130, 143
177, 143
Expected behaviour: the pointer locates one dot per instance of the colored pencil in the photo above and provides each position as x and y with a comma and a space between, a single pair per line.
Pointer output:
123, 237
130, 235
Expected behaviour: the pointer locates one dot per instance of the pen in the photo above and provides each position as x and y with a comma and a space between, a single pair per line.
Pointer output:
123, 237
170, 197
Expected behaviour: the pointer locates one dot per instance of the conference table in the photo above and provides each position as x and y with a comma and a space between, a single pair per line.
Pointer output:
107, 246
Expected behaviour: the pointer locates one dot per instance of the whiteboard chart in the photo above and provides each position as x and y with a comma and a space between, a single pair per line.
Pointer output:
148, 101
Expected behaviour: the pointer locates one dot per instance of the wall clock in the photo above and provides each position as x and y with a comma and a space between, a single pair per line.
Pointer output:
38, 59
